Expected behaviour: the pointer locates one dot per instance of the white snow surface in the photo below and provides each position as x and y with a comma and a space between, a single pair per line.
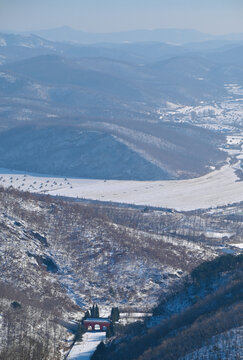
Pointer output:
131, 317
2, 42
217, 235
83, 350
9, 78
240, 246
218, 188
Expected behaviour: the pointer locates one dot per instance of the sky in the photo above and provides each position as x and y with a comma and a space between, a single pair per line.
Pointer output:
210, 16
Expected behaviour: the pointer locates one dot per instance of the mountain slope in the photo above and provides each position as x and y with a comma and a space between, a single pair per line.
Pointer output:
232, 56
209, 305
70, 152
59, 257
104, 151
60, 238
56, 71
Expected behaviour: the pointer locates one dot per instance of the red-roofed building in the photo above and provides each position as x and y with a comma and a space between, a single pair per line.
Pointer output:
99, 324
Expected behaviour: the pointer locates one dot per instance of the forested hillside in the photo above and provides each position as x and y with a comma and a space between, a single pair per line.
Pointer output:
58, 257
208, 305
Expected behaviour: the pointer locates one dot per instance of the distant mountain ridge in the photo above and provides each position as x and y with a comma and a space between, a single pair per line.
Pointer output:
173, 36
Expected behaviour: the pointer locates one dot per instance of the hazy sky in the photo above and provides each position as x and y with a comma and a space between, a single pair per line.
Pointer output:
212, 16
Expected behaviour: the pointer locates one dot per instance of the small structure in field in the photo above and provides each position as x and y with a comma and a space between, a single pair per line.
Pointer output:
99, 324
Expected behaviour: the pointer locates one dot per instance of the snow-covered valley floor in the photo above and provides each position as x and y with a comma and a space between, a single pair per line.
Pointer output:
220, 187
84, 349
217, 188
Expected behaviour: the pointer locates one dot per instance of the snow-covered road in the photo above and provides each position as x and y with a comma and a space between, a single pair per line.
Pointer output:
84, 350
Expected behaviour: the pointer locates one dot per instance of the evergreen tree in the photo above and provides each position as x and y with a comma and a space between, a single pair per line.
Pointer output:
97, 313
87, 315
92, 312
80, 332
15, 305
115, 314
110, 331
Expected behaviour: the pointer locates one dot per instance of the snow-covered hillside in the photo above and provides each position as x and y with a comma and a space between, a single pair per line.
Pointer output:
59, 257
202, 319
84, 254
224, 346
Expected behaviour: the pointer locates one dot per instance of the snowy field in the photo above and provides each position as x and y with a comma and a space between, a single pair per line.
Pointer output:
84, 349
220, 187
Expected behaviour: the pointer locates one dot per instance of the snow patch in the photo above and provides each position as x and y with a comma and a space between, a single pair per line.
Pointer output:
240, 246
11, 79
3, 42
83, 350
217, 235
